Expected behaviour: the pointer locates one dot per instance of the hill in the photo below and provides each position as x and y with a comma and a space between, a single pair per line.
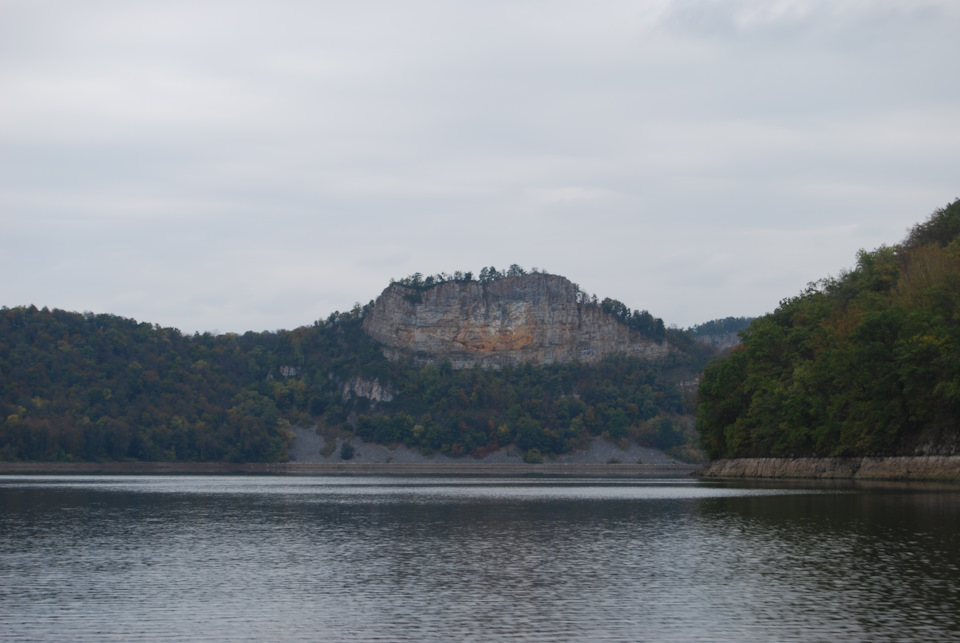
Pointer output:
83, 386
721, 334
863, 364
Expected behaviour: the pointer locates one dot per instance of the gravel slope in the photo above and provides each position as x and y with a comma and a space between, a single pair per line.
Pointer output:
308, 447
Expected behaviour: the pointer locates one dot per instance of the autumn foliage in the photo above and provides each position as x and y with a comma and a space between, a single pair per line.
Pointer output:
866, 363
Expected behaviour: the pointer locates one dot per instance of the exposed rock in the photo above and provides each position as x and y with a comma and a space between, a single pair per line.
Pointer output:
369, 389
533, 318
882, 468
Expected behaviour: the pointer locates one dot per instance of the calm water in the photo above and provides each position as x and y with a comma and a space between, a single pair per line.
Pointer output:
404, 559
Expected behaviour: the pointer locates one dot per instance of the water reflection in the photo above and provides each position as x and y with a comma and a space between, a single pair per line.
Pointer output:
368, 559
877, 563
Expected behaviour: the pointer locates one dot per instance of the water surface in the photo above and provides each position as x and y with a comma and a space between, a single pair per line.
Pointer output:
177, 558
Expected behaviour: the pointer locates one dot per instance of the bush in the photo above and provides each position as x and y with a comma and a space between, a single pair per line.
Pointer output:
533, 456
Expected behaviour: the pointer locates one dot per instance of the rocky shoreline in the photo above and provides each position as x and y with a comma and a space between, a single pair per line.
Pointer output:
919, 468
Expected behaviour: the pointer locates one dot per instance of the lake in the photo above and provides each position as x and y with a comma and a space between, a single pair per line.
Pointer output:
341, 558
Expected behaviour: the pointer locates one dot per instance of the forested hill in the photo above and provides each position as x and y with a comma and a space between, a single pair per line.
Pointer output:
100, 387
866, 363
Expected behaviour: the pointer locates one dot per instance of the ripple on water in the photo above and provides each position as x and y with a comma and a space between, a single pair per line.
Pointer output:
378, 559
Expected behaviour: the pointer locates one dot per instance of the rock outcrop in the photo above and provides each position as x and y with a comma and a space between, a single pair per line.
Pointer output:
369, 389
534, 318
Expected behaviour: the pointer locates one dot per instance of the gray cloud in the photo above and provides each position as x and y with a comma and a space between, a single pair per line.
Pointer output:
252, 165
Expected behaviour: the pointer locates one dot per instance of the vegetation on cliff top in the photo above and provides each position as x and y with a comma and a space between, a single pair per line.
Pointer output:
100, 387
865, 363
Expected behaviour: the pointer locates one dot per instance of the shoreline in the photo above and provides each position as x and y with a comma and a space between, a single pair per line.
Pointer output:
893, 468
910, 468
345, 468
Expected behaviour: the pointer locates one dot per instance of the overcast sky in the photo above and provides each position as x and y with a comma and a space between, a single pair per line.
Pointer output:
237, 165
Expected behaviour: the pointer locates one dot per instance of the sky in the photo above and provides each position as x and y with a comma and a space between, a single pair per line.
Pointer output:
234, 165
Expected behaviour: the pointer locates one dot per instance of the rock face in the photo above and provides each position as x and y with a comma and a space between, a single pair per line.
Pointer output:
533, 318
370, 389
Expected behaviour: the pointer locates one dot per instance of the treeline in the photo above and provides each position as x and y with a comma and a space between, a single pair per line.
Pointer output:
487, 274
866, 363
723, 326
96, 387
100, 387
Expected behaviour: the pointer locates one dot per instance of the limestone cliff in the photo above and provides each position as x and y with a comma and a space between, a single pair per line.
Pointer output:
534, 318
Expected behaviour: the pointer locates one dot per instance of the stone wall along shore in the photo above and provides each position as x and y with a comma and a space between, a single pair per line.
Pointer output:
934, 468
